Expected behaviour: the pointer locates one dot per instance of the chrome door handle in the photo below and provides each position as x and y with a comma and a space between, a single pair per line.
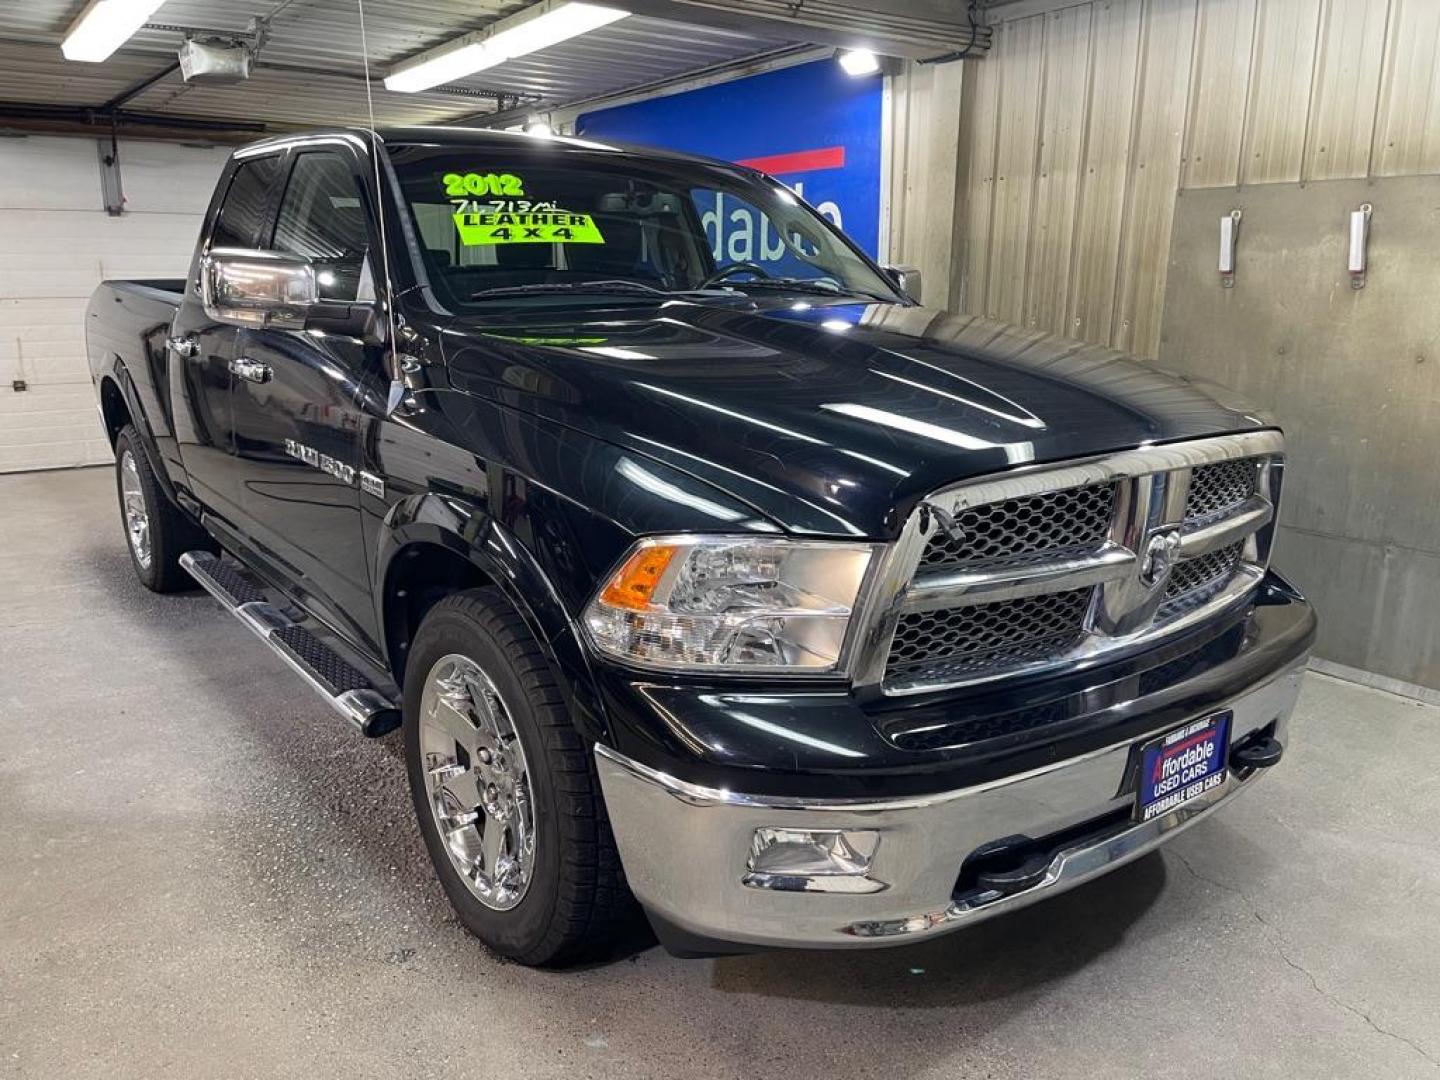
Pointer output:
251, 370
183, 346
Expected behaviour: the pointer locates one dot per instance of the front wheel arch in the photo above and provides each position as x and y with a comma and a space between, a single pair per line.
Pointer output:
424, 563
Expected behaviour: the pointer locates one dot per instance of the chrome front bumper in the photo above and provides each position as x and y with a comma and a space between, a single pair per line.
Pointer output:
685, 848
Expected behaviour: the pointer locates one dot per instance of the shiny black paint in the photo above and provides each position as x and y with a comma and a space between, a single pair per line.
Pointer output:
833, 419
537, 442
305, 519
135, 322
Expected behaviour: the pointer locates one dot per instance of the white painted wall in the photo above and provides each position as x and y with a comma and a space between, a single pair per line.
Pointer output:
56, 245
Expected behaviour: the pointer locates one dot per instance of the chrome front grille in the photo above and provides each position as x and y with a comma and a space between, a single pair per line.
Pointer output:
1204, 572
1217, 489
951, 643
1032, 527
1052, 565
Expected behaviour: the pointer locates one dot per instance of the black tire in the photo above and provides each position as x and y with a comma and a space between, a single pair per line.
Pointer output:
172, 532
576, 896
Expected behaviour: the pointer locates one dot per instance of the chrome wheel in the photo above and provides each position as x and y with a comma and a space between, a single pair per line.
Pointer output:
137, 518
477, 781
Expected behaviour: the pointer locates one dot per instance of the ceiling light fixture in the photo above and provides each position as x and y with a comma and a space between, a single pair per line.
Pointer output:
857, 62
104, 26
533, 29
539, 126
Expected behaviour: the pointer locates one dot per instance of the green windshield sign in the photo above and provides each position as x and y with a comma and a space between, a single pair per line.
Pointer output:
490, 226
509, 217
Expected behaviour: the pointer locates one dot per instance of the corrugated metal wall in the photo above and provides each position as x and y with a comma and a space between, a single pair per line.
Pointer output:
922, 159
1084, 122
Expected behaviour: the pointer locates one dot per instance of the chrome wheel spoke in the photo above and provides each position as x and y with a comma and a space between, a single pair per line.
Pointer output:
456, 822
492, 846
464, 788
520, 818
449, 714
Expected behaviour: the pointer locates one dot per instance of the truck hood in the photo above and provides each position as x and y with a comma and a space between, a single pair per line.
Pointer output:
829, 418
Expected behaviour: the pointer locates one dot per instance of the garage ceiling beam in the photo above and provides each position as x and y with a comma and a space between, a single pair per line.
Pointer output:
118, 118
730, 69
997, 11
915, 29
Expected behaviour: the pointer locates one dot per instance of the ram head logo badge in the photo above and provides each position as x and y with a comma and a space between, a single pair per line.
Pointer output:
1162, 551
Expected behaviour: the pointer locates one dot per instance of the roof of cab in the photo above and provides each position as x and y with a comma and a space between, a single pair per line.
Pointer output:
489, 137
436, 135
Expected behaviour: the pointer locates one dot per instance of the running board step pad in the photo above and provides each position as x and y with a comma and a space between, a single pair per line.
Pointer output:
347, 690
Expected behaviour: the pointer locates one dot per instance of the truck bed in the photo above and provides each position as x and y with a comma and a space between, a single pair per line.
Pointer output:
170, 289
126, 327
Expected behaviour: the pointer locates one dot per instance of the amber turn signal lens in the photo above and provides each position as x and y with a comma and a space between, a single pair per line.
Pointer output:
635, 584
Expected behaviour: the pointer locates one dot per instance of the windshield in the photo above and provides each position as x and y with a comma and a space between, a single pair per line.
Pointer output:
515, 223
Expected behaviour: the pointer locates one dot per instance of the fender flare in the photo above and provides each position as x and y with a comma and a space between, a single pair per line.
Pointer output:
482, 541
124, 382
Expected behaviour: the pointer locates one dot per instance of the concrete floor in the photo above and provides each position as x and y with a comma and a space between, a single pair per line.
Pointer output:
204, 873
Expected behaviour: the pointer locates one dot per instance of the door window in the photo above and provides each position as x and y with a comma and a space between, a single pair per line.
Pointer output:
243, 211
322, 218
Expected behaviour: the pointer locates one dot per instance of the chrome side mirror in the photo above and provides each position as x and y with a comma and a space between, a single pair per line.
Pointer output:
906, 279
258, 288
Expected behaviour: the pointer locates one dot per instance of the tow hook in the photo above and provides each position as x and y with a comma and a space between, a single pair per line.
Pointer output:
1007, 866
1259, 750
1015, 878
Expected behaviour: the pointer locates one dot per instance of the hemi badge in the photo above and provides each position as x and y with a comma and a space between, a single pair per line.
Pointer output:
372, 484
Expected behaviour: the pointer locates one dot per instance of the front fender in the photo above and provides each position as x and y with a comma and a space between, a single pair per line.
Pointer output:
540, 509
465, 529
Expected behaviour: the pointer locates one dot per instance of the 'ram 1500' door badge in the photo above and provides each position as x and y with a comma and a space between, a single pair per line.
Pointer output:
324, 462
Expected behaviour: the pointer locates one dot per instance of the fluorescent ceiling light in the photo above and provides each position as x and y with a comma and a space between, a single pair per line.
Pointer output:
446, 67
858, 62
539, 126
533, 29
104, 26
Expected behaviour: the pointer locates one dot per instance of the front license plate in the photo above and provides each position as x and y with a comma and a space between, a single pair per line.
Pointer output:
1182, 765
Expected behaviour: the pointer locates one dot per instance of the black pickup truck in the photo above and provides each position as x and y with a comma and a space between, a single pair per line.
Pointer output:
697, 561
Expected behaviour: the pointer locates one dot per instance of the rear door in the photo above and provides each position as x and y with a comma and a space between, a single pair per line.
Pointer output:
202, 350
297, 421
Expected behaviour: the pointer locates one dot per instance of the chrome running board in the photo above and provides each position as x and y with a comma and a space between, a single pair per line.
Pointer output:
348, 690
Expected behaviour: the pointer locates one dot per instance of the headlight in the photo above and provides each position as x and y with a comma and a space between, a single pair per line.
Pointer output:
730, 603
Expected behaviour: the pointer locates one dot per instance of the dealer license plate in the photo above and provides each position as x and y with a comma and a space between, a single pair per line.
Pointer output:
1182, 765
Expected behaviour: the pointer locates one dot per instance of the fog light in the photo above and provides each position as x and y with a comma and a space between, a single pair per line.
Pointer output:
813, 860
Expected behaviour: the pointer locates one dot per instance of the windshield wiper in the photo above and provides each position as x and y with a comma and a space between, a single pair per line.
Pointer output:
805, 285
540, 288
616, 285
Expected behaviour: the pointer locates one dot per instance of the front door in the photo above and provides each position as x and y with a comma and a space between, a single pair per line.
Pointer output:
202, 350
296, 415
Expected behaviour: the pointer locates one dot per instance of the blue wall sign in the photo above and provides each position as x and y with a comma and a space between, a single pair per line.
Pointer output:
812, 126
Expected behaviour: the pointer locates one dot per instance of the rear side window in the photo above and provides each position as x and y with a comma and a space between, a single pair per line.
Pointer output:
243, 213
322, 218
